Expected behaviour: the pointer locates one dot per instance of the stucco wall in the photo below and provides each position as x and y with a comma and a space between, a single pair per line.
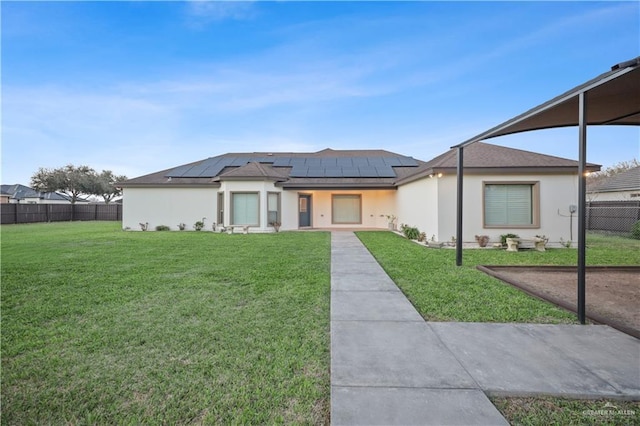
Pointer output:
417, 205
430, 205
376, 204
263, 188
168, 206
557, 193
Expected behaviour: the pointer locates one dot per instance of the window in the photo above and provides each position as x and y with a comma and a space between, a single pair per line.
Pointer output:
245, 208
346, 208
511, 205
220, 208
273, 207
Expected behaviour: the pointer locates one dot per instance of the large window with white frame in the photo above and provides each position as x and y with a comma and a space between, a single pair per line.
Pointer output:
245, 208
346, 209
511, 204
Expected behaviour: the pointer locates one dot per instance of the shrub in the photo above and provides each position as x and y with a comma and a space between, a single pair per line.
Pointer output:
198, 225
635, 231
410, 232
503, 238
163, 228
182, 226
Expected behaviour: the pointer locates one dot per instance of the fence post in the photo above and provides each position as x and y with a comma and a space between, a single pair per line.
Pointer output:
95, 212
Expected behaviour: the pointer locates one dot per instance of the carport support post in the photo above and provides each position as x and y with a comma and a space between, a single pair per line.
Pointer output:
582, 203
459, 208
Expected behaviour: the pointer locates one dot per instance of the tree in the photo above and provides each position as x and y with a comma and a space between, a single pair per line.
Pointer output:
70, 180
106, 185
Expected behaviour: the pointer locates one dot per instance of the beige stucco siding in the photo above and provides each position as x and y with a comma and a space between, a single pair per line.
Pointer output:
375, 206
556, 192
168, 206
430, 205
417, 205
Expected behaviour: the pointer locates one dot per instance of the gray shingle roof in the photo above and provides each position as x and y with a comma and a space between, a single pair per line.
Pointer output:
350, 168
628, 180
20, 192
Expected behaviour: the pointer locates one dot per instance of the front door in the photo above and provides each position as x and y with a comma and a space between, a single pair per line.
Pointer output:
304, 210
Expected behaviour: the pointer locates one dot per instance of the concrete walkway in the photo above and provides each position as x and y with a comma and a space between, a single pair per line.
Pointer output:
390, 367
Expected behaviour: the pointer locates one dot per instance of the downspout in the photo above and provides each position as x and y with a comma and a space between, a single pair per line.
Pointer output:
582, 203
460, 170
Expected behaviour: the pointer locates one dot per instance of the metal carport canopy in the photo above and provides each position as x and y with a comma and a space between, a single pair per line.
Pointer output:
612, 98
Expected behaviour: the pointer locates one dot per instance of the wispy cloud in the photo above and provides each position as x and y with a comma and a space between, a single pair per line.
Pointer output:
200, 13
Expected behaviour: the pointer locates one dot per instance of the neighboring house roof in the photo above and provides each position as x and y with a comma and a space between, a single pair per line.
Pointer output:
21, 192
629, 180
349, 168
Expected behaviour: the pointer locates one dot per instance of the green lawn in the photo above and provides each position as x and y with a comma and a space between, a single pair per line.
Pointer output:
101, 326
441, 291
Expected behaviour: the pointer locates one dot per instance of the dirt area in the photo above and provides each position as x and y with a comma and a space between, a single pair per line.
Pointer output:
612, 293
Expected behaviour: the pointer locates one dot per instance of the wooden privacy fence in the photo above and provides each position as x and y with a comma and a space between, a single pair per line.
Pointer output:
31, 213
612, 216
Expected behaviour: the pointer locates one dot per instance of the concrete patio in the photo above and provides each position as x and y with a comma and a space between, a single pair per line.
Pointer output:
390, 367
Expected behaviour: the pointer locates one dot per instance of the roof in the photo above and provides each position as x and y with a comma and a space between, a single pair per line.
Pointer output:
20, 192
629, 180
482, 157
329, 168
612, 99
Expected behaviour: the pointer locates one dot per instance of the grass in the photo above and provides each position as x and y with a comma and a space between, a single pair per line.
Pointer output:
101, 326
560, 411
441, 291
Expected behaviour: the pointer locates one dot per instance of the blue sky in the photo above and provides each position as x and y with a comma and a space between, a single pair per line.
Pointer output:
143, 86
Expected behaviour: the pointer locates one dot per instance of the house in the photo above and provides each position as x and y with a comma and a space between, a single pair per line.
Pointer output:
21, 194
624, 186
512, 191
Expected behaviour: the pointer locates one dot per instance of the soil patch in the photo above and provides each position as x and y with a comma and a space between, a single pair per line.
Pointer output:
612, 293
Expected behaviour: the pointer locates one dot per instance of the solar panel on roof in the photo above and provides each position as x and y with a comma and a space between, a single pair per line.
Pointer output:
385, 171
328, 162
368, 171
237, 161
359, 161
350, 172
212, 170
178, 171
281, 161
298, 171
375, 161
333, 172
391, 161
316, 172
312, 162
344, 162
408, 162
297, 161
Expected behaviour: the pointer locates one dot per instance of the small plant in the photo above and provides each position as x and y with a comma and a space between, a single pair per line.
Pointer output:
422, 237
503, 238
199, 225
566, 244
410, 232
635, 231
483, 240
144, 226
276, 225
182, 226
163, 228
